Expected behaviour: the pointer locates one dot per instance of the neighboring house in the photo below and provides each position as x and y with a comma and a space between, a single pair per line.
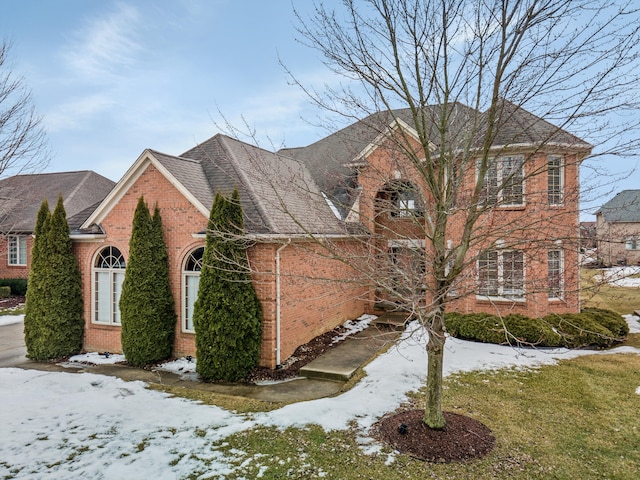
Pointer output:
20, 199
297, 200
588, 239
618, 229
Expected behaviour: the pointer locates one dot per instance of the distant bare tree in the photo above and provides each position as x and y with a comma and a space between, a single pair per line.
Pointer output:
22, 137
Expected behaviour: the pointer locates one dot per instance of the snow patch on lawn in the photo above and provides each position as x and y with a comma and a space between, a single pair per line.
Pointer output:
619, 277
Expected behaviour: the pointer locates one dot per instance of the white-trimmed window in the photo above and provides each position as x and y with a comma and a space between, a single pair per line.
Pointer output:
108, 275
501, 274
18, 250
632, 243
555, 274
190, 284
503, 183
555, 179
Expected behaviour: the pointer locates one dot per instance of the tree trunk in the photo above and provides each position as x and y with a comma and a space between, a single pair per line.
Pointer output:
433, 416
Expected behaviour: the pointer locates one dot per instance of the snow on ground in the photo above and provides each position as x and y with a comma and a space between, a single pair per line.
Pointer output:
10, 319
69, 425
619, 276
96, 358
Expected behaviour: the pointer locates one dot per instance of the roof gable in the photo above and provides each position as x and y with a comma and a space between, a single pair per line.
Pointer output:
177, 171
22, 195
278, 195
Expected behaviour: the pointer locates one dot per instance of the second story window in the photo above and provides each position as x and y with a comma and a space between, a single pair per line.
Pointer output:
406, 201
503, 183
555, 180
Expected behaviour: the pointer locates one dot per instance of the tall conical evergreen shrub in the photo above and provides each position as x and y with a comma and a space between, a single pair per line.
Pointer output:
146, 304
35, 311
227, 315
55, 326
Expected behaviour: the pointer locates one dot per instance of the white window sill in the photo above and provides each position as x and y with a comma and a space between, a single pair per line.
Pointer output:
484, 298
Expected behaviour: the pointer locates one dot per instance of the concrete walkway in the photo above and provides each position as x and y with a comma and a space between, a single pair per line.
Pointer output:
324, 377
12, 349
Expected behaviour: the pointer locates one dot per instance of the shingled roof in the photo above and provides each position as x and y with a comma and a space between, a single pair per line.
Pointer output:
278, 195
22, 195
329, 159
623, 208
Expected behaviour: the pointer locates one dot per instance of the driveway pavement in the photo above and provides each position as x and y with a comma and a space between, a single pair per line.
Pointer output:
12, 349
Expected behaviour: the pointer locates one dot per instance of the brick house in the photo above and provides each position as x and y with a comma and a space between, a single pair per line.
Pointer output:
20, 200
618, 229
298, 201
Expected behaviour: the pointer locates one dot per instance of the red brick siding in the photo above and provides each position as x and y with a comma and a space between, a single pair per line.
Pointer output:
308, 307
14, 271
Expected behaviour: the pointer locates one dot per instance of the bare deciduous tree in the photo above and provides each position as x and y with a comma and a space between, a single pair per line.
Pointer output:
572, 63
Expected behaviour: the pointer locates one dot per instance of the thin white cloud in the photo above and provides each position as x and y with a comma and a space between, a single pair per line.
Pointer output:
74, 114
106, 45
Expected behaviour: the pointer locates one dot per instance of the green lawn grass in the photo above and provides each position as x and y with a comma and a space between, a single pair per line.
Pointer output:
577, 419
621, 300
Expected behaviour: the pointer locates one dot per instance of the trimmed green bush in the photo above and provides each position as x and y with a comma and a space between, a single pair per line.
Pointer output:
611, 320
54, 323
146, 304
227, 314
581, 330
18, 285
5, 292
593, 327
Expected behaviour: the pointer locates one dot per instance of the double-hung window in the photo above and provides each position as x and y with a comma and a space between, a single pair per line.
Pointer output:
17, 250
555, 179
555, 271
503, 183
501, 274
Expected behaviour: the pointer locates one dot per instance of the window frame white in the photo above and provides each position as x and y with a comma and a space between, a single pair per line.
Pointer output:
632, 244
502, 290
555, 292
555, 192
17, 251
498, 174
189, 297
115, 271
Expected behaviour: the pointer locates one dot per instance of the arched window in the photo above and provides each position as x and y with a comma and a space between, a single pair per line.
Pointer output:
401, 200
190, 283
108, 275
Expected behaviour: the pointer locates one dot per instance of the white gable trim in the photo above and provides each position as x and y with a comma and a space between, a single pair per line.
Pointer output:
126, 182
361, 159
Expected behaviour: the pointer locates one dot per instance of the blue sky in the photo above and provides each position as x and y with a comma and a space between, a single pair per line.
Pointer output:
113, 77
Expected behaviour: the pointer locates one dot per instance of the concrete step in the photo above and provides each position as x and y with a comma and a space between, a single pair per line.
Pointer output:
341, 362
393, 319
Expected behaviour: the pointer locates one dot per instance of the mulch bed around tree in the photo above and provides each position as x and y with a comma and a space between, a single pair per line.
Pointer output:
462, 439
